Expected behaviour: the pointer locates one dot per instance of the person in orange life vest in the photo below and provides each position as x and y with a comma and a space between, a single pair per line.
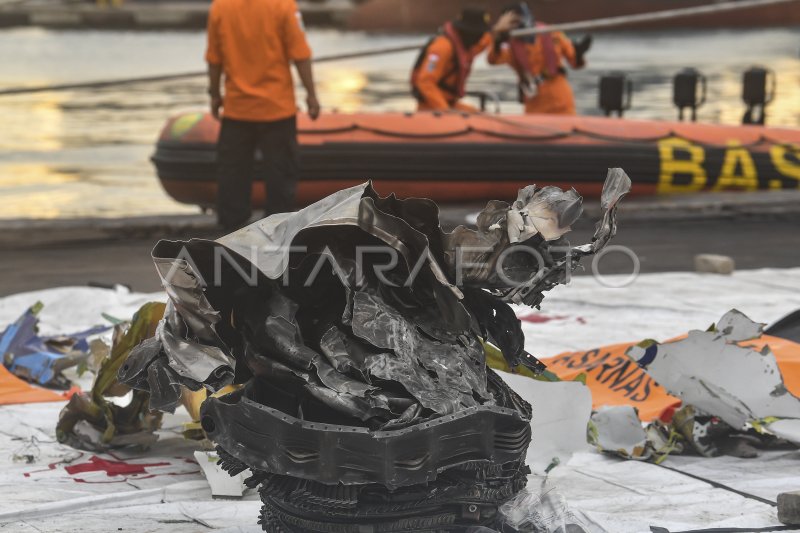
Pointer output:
538, 61
439, 77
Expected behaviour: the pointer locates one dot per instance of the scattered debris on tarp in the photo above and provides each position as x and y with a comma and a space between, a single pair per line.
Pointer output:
92, 420
42, 360
730, 383
615, 379
356, 326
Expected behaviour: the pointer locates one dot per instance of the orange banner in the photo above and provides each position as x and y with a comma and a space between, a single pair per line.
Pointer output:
14, 390
616, 380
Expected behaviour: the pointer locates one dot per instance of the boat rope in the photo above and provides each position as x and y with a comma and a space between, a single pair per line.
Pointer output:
570, 26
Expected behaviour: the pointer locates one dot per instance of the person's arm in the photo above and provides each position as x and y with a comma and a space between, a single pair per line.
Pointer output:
306, 74
567, 49
214, 60
299, 53
499, 54
581, 47
214, 88
505, 23
432, 70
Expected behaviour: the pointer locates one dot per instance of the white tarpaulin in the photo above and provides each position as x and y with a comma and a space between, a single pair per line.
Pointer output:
64, 490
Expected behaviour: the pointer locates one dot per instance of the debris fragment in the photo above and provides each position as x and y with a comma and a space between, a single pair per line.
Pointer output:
39, 359
565, 426
619, 431
357, 327
718, 374
539, 511
222, 484
789, 508
91, 421
714, 264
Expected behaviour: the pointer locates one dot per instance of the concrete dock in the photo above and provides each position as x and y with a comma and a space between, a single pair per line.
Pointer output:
755, 229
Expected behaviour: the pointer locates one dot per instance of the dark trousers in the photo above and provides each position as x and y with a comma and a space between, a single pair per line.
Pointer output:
238, 140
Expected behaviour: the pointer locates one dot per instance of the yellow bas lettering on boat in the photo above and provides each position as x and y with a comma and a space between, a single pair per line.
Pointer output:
786, 159
681, 158
738, 170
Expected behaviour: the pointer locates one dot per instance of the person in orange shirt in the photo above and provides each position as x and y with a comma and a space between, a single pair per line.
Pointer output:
252, 43
439, 77
538, 61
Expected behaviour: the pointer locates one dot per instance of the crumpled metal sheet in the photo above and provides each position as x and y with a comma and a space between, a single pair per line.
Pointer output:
718, 375
553, 260
363, 373
387, 349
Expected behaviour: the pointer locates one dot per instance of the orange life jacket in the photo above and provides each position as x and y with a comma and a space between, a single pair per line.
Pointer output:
520, 60
552, 63
462, 64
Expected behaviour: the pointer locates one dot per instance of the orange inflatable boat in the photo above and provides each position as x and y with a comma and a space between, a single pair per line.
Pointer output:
457, 157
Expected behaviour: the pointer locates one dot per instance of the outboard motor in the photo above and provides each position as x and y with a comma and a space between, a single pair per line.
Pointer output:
616, 92
685, 86
758, 90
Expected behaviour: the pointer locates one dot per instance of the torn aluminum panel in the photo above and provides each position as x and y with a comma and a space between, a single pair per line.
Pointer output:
90, 420
717, 373
357, 326
619, 431
42, 360
565, 426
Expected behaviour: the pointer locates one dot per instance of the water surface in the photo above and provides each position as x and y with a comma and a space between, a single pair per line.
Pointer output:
86, 153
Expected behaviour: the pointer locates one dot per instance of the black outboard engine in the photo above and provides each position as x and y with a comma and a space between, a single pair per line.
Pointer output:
685, 86
615, 95
758, 90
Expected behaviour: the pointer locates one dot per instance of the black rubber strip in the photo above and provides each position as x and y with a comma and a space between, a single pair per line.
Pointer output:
655, 529
722, 486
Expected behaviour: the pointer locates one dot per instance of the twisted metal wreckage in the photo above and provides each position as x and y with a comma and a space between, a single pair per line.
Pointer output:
356, 327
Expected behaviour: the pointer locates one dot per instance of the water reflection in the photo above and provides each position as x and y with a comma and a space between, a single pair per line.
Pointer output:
85, 153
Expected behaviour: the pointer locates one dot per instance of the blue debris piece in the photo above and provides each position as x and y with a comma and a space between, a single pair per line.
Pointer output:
38, 359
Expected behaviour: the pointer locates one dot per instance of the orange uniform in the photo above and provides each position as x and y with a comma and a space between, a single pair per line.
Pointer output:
439, 79
543, 60
255, 41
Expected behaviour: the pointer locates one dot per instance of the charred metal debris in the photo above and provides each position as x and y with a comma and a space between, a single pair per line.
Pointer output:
356, 326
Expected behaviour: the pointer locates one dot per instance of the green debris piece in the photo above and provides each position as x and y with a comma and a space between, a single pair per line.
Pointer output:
495, 360
114, 320
90, 421
36, 308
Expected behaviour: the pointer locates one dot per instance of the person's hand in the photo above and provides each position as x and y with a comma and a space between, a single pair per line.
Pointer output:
313, 106
507, 22
216, 104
